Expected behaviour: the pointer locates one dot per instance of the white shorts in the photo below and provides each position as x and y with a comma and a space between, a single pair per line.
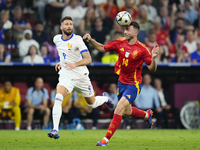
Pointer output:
82, 86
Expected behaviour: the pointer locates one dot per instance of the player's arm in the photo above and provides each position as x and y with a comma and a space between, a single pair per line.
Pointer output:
29, 105
18, 98
85, 61
16, 101
95, 44
45, 101
153, 66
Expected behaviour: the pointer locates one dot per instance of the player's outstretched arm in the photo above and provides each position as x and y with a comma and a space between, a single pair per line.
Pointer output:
95, 44
153, 66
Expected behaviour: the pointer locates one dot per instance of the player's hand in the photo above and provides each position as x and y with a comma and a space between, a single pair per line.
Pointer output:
12, 103
41, 107
88, 109
70, 66
87, 37
155, 51
58, 66
65, 109
174, 7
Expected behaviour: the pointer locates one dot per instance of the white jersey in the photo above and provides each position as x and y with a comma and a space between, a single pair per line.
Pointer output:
70, 52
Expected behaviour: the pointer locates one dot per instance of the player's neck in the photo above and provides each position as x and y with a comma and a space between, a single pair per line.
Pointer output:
65, 37
132, 41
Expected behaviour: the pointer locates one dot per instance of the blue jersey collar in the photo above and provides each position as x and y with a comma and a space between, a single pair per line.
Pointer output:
69, 38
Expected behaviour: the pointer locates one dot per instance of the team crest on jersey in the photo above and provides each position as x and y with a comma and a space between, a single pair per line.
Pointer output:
127, 54
69, 46
135, 53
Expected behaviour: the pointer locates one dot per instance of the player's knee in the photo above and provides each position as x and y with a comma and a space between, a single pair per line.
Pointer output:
47, 110
30, 111
118, 110
16, 110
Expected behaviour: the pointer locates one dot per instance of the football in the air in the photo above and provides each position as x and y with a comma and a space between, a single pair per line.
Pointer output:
123, 18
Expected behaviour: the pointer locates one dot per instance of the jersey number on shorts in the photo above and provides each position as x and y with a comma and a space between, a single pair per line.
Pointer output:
89, 88
64, 55
125, 62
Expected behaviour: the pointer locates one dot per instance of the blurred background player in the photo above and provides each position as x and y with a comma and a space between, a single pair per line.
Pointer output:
73, 73
148, 98
36, 104
166, 104
82, 110
10, 103
129, 50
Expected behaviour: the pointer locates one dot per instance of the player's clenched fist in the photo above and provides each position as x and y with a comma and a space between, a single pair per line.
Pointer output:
87, 37
155, 51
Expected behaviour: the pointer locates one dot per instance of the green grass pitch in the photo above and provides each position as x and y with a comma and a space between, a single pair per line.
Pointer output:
85, 140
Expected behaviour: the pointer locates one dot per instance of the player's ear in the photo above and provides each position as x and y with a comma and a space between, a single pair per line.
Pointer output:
61, 27
136, 33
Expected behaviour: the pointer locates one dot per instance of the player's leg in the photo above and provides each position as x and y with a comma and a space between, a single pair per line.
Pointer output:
57, 108
147, 115
85, 88
46, 117
95, 101
17, 117
116, 121
30, 112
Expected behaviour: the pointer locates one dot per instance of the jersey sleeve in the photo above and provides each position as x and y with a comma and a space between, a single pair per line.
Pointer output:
17, 97
147, 56
53, 95
112, 45
81, 45
29, 94
55, 39
46, 95
193, 56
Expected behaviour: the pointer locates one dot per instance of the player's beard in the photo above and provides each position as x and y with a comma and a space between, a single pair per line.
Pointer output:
67, 33
130, 38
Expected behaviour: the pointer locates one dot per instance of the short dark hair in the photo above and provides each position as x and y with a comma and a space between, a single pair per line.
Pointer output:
7, 80
187, 1
135, 25
39, 22
66, 18
182, 19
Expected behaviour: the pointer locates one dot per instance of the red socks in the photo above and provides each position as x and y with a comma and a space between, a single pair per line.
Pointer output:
116, 121
138, 113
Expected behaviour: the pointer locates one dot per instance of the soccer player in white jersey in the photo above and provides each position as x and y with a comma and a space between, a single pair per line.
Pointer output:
73, 74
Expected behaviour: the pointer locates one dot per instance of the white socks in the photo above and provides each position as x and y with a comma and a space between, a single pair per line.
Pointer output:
146, 116
57, 111
99, 100
106, 139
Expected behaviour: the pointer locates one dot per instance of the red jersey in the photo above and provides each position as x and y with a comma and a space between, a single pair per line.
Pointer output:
173, 48
135, 11
113, 12
150, 46
161, 37
131, 58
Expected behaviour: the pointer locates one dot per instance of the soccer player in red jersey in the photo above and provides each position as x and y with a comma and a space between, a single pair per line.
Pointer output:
132, 54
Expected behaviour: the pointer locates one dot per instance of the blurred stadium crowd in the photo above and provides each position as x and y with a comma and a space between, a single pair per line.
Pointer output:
27, 27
